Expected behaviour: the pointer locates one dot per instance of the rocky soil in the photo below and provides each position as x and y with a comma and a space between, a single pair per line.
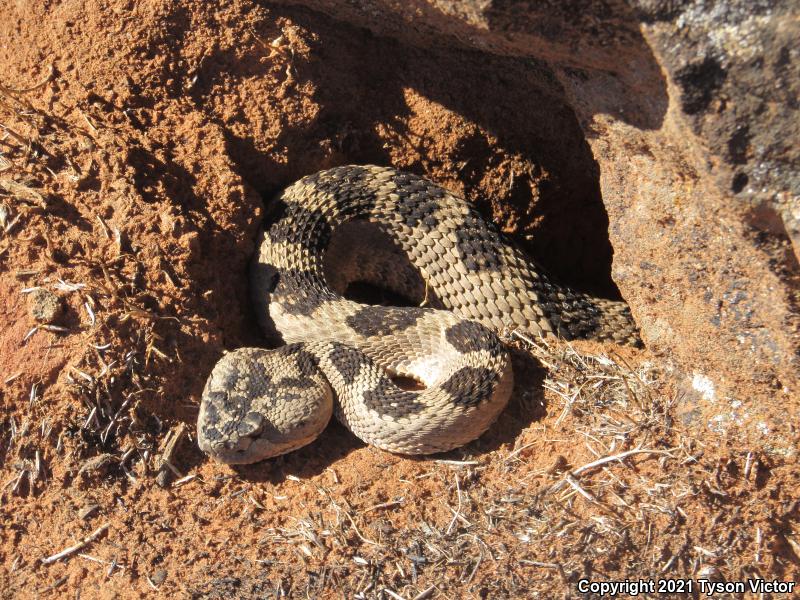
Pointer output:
643, 150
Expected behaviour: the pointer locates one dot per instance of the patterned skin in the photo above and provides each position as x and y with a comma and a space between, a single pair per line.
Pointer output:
409, 236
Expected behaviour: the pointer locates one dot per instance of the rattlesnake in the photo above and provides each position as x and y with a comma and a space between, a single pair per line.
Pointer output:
413, 238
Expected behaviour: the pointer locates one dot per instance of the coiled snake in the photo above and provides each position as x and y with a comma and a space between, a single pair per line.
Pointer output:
414, 238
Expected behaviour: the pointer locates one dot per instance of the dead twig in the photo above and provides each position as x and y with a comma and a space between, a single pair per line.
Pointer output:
23, 191
165, 466
13, 92
79, 546
599, 463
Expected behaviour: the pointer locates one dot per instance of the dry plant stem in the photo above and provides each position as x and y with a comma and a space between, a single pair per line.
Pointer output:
165, 466
79, 546
426, 593
599, 463
383, 505
23, 191
14, 92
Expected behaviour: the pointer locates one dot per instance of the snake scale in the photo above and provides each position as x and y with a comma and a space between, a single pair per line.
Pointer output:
413, 238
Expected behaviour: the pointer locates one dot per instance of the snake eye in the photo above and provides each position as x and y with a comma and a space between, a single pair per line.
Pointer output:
250, 425
217, 398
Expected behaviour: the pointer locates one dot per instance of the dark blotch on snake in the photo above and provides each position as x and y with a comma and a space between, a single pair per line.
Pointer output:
347, 361
475, 246
297, 383
416, 210
359, 197
236, 406
260, 374
469, 336
306, 362
289, 350
469, 386
388, 399
371, 321
300, 293
302, 226
212, 414
575, 317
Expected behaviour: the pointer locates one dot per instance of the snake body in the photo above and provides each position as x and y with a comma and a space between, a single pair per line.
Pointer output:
415, 239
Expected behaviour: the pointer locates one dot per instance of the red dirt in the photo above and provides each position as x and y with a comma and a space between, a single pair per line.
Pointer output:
147, 145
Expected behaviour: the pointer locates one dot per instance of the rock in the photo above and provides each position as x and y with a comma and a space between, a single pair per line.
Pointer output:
44, 305
97, 466
711, 573
737, 67
158, 577
88, 511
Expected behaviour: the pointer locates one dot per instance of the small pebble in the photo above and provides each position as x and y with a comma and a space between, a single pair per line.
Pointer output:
96, 464
87, 511
158, 576
711, 573
44, 305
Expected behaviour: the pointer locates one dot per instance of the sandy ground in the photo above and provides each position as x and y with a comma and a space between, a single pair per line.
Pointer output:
138, 147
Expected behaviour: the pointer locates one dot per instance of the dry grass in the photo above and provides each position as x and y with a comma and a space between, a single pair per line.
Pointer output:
518, 529
37, 150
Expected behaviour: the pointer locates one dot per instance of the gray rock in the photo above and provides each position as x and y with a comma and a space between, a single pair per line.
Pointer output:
737, 65
44, 305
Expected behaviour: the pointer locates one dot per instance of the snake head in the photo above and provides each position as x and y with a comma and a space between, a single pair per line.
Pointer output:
224, 430
255, 407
